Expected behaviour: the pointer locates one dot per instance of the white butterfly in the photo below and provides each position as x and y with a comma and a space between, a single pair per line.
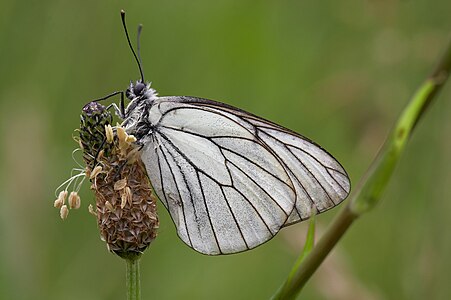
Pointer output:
229, 179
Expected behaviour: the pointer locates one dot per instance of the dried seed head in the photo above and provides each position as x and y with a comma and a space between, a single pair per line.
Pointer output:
64, 211
132, 225
125, 206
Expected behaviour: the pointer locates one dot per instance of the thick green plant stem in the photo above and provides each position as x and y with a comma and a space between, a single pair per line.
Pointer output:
376, 178
308, 246
312, 261
133, 279
372, 185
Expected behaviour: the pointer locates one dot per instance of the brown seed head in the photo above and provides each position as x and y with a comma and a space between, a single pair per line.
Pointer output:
126, 208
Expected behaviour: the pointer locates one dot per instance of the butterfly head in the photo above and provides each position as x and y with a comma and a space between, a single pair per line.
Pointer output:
140, 90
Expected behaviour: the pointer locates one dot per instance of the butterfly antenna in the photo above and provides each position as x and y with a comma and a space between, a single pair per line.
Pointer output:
138, 61
138, 44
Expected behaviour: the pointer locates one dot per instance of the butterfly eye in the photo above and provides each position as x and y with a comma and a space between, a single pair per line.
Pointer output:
139, 88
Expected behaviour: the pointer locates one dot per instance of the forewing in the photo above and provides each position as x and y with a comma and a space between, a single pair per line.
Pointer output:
225, 190
320, 182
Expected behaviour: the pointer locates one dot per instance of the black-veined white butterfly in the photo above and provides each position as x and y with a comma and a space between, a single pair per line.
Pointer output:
229, 179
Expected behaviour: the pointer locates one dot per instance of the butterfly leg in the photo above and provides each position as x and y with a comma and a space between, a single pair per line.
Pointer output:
120, 112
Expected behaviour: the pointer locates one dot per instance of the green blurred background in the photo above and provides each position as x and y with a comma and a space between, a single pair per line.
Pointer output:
338, 72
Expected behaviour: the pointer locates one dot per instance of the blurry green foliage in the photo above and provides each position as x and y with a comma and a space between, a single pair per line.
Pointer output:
337, 71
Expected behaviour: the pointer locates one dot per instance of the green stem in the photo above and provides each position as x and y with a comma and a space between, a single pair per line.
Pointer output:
133, 279
291, 280
372, 185
312, 261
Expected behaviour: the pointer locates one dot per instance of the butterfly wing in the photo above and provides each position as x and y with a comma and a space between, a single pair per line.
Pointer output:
231, 180
319, 179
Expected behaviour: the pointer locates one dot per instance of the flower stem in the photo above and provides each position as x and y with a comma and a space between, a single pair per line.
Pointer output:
133, 278
311, 262
374, 182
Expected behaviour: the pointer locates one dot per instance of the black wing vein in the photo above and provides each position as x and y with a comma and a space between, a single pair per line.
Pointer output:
267, 175
180, 197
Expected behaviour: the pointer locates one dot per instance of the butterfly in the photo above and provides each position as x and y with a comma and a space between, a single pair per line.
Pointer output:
229, 179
